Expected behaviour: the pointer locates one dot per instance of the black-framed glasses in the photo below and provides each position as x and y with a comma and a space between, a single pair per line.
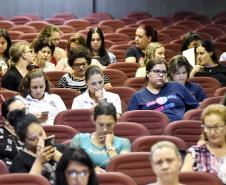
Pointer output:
217, 128
80, 65
75, 174
158, 72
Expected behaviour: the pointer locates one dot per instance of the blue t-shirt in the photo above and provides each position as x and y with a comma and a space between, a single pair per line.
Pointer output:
98, 154
173, 100
196, 90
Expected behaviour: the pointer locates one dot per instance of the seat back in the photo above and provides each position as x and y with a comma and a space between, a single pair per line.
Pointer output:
61, 132
114, 23
211, 100
220, 92
110, 178
3, 168
136, 82
23, 179
116, 77
135, 165
78, 24
117, 38
66, 94
154, 121
79, 119
54, 76
193, 114
39, 25
130, 130
144, 143
208, 84
29, 37
187, 130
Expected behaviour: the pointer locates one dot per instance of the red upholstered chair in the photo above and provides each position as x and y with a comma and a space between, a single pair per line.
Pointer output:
139, 15
117, 38
128, 68
192, 23
201, 18
39, 25
65, 16
55, 20
20, 20
114, 23
120, 47
193, 114
62, 132
208, 84
3, 168
181, 15
101, 16
129, 20
155, 23
136, 82
78, 24
66, 36
199, 178
220, 91
164, 38
28, 37
144, 143
23, 178
110, 178
15, 34
66, 94
54, 76
213, 31
104, 28
128, 31
6, 94
154, 121
173, 33
135, 165
185, 28
187, 130
5, 24
117, 77
63, 44
130, 130
24, 29
219, 15
66, 29
120, 54
211, 100
79, 119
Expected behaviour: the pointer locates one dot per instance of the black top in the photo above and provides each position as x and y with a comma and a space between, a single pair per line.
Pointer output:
12, 78
135, 52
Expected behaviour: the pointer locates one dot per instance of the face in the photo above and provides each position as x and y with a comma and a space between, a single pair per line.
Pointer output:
180, 75
77, 174
95, 83
203, 57
28, 55
43, 56
215, 129
37, 88
79, 66
193, 44
95, 42
157, 76
3, 45
34, 134
104, 125
160, 53
165, 163
55, 38
141, 39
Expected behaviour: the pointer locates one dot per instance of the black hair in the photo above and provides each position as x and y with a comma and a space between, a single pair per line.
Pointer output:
104, 57
105, 108
80, 52
15, 117
188, 38
92, 70
150, 32
5, 35
74, 155
22, 125
39, 44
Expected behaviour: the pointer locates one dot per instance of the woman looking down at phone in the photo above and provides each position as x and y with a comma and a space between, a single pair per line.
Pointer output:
102, 144
95, 92
39, 101
36, 158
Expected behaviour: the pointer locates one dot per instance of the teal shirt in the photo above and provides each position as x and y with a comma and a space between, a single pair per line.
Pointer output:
98, 154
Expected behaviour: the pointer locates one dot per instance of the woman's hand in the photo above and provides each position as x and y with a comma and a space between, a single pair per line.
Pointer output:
99, 170
109, 140
99, 95
196, 69
45, 154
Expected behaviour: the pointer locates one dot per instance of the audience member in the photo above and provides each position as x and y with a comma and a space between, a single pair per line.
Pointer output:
35, 90
21, 56
36, 158
95, 43
179, 70
155, 50
190, 40
145, 34
5, 45
207, 63
102, 145
166, 162
210, 156
78, 59
10, 145
171, 98
76, 40
43, 54
75, 167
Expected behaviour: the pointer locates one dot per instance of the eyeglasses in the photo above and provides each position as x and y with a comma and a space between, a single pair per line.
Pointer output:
29, 51
95, 83
80, 65
217, 128
158, 72
75, 174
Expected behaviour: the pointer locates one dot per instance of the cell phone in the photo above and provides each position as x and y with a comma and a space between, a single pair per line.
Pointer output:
49, 141
44, 113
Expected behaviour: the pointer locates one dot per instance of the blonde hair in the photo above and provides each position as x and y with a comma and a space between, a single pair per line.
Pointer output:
17, 50
150, 51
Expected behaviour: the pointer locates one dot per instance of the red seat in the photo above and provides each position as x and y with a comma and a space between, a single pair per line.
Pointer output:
187, 130
213, 31
24, 29
173, 33
120, 54
130, 130
79, 119
55, 20
64, 15
66, 29
181, 15
15, 34
20, 20
5, 24
63, 44
28, 37
193, 114
144, 143
136, 82
117, 38
192, 23
3, 168
104, 28
54, 76
155, 23
128, 31
138, 15
220, 91
120, 47
116, 77
211, 100
78, 24
114, 24
154, 121
164, 38
198, 17
101, 16
39, 25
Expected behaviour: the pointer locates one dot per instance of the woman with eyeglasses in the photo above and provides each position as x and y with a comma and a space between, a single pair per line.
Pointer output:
75, 167
210, 156
20, 57
102, 144
35, 158
79, 59
171, 98
95, 92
